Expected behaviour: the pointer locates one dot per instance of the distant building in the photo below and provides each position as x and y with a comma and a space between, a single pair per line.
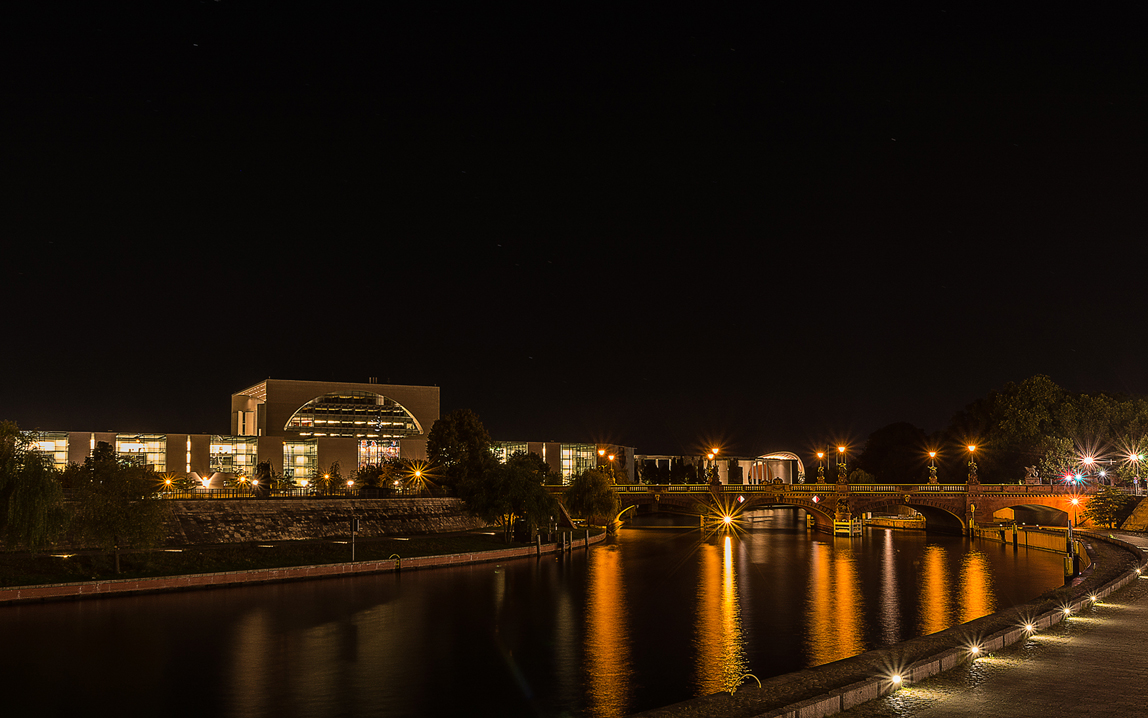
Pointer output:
784, 466
301, 427
570, 460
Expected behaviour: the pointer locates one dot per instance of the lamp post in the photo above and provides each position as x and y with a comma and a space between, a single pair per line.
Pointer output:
972, 464
821, 467
932, 467
1075, 504
842, 466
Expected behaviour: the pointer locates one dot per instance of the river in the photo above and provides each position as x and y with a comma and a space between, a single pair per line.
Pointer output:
656, 616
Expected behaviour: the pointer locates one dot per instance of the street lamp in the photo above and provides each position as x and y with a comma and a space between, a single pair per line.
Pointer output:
932, 467
972, 463
1075, 503
842, 465
820, 467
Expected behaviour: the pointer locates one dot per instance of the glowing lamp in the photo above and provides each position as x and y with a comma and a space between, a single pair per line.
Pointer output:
896, 680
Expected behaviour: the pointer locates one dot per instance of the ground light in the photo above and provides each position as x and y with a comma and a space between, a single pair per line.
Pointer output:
896, 680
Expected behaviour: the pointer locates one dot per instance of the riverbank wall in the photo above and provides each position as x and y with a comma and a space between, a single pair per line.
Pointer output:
1050, 540
161, 584
916, 523
216, 521
835, 687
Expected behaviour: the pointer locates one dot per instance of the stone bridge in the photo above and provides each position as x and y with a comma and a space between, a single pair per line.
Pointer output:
948, 508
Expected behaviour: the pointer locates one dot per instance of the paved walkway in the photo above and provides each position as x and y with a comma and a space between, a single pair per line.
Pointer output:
1093, 664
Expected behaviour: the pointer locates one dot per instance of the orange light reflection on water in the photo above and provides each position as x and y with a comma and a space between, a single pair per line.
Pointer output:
977, 597
935, 605
608, 665
718, 641
835, 607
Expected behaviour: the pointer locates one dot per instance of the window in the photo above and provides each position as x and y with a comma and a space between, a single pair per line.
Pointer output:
234, 454
354, 413
143, 449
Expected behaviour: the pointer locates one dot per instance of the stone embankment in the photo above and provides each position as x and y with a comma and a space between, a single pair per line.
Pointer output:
159, 584
839, 686
215, 521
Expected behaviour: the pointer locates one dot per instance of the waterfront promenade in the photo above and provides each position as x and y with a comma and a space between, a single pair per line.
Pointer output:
1089, 665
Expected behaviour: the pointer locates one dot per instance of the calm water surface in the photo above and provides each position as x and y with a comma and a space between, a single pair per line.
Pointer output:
658, 616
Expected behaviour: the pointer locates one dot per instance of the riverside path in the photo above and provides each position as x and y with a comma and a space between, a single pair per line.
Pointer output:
1090, 665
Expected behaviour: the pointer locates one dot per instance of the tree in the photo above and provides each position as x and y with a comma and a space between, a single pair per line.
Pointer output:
1109, 507
505, 491
592, 496
460, 447
117, 505
31, 499
895, 454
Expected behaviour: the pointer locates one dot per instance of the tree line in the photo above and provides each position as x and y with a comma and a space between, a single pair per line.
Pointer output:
459, 449
114, 503
1035, 423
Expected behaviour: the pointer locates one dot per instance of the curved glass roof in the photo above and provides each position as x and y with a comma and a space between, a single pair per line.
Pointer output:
361, 414
784, 456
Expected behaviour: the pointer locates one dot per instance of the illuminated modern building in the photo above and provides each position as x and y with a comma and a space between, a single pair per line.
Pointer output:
301, 427
570, 460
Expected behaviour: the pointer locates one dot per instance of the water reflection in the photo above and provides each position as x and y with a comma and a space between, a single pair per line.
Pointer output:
934, 608
655, 619
607, 635
977, 598
717, 639
834, 606
890, 605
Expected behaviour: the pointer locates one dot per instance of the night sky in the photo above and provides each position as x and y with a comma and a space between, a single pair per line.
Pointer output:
766, 227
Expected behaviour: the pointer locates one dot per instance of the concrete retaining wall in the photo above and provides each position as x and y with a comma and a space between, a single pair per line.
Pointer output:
213, 521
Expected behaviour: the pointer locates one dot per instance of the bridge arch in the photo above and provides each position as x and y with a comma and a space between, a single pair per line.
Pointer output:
938, 517
822, 515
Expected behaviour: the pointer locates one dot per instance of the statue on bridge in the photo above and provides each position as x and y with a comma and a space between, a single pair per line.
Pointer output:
1031, 476
821, 474
842, 475
932, 474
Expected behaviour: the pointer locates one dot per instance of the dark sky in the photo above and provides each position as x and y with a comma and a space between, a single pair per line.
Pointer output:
767, 227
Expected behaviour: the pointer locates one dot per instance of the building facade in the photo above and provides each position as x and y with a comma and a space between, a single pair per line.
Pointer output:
301, 427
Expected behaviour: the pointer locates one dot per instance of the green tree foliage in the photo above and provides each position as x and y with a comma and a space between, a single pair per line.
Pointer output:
116, 504
31, 499
1109, 507
459, 447
1038, 423
381, 475
592, 496
896, 454
861, 476
512, 490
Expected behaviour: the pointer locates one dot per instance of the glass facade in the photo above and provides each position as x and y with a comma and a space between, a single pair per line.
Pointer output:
300, 460
577, 458
377, 451
54, 444
143, 449
503, 450
233, 454
354, 413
